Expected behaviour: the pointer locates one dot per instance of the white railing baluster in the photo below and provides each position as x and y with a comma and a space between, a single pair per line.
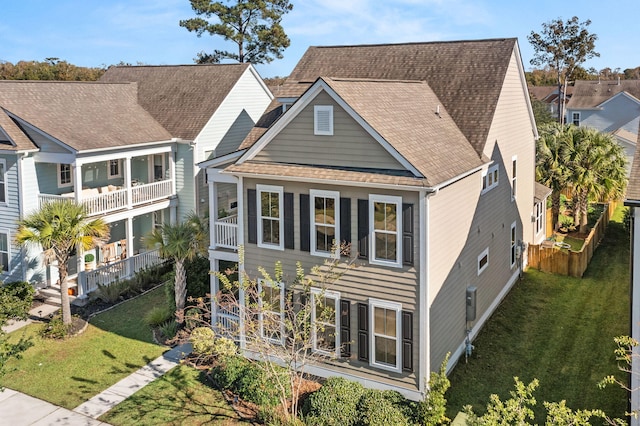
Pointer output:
227, 232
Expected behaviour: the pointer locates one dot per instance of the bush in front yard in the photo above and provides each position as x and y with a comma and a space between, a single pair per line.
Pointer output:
157, 316
335, 403
16, 299
381, 408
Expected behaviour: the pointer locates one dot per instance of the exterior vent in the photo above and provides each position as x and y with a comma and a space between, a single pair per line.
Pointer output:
323, 120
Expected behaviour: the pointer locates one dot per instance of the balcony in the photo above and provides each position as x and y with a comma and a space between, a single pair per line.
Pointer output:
226, 232
111, 198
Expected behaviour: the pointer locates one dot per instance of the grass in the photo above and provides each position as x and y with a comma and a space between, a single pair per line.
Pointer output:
179, 397
68, 372
559, 330
575, 243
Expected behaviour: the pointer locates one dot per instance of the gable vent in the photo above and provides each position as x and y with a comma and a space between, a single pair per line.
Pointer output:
323, 120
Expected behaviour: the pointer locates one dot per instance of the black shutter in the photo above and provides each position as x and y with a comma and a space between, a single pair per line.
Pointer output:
407, 341
252, 214
363, 332
345, 222
363, 229
345, 328
288, 220
305, 225
407, 234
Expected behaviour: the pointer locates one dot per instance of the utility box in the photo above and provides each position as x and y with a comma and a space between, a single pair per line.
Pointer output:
471, 303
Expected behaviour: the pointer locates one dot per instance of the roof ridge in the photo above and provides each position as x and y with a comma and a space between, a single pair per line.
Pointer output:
414, 43
372, 80
245, 64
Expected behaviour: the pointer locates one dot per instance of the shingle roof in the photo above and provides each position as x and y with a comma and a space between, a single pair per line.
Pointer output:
591, 93
409, 116
467, 76
181, 97
633, 187
20, 141
271, 114
83, 115
540, 191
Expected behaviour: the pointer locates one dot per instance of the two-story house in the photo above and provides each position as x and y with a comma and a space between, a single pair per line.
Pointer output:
126, 147
418, 155
611, 106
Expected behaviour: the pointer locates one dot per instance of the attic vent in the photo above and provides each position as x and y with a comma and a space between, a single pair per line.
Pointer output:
323, 120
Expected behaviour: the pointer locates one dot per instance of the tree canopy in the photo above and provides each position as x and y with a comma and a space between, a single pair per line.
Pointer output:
49, 69
254, 26
564, 46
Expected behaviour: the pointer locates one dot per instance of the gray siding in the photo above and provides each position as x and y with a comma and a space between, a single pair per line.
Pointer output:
10, 214
298, 145
235, 135
356, 285
615, 114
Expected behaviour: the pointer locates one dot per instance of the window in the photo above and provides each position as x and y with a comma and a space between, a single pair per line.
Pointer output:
4, 250
513, 245
490, 179
385, 338
325, 321
514, 174
158, 219
270, 216
158, 167
483, 260
323, 120
385, 226
114, 168
325, 223
575, 118
64, 175
271, 310
539, 212
3, 181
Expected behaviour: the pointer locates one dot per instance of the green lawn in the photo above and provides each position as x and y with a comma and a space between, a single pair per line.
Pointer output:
557, 329
180, 397
69, 372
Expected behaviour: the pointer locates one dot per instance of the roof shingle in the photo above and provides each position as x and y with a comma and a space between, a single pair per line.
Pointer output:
591, 93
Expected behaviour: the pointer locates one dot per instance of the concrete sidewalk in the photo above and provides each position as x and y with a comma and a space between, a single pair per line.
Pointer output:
18, 409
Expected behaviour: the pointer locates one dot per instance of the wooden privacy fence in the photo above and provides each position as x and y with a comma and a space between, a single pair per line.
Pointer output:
547, 257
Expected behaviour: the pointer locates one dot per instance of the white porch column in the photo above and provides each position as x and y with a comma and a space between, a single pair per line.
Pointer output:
172, 169
213, 214
240, 194
127, 181
76, 172
129, 237
215, 266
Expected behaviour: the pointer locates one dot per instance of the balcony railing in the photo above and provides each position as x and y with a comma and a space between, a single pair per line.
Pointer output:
226, 231
88, 280
114, 200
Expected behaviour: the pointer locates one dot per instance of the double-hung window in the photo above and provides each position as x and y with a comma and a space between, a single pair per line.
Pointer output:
271, 310
325, 223
325, 321
65, 176
3, 181
513, 245
539, 211
490, 178
5, 250
114, 168
270, 216
514, 175
386, 338
385, 214
575, 118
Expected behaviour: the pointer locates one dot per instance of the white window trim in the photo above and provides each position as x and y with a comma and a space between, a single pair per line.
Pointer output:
119, 174
280, 190
377, 303
513, 241
327, 294
373, 198
279, 285
8, 234
322, 108
59, 172
484, 253
539, 217
3, 162
514, 178
573, 114
335, 195
485, 176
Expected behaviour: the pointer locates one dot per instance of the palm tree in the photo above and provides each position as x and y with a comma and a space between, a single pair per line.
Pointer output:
551, 169
180, 242
62, 226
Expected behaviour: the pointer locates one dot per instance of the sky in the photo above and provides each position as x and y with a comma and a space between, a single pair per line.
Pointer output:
97, 33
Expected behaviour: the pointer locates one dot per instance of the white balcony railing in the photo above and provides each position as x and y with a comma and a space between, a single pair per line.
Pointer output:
117, 199
104, 275
226, 231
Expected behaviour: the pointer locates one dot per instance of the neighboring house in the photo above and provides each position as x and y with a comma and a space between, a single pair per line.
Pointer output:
609, 106
550, 96
419, 155
633, 202
126, 147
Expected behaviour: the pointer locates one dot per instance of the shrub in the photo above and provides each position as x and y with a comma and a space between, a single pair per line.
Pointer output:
169, 329
16, 299
381, 408
198, 277
202, 340
111, 293
88, 258
335, 403
157, 316
55, 329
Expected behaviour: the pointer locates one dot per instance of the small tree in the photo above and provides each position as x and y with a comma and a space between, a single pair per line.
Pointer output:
62, 226
563, 46
15, 302
253, 25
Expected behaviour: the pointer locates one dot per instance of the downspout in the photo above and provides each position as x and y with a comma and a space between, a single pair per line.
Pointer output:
424, 312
